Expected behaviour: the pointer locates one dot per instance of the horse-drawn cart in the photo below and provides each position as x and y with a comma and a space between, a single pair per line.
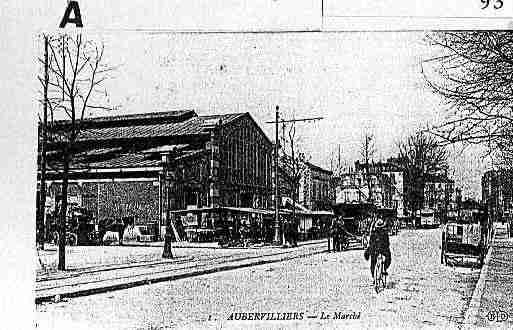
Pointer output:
357, 219
467, 237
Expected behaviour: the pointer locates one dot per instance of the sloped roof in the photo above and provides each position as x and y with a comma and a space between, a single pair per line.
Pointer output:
129, 160
127, 127
148, 117
194, 125
111, 158
224, 119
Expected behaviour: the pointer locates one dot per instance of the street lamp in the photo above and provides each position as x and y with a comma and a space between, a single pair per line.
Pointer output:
169, 179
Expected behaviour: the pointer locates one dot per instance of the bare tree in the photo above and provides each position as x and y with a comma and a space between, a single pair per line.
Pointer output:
76, 73
420, 156
367, 152
293, 162
473, 74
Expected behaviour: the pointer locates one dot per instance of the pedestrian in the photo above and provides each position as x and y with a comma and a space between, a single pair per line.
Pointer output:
335, 234
288, 233
285, 228
293, 233
341, 233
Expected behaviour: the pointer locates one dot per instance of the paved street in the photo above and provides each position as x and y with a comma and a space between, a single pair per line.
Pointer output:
84, 257
421, 293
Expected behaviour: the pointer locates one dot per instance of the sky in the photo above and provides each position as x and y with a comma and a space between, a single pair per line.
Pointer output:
358, 82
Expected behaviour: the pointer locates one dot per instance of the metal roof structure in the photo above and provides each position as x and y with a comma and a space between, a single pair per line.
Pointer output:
108, 142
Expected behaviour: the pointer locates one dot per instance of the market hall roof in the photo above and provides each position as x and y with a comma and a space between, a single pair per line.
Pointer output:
110, 142
179, 124
152, 125
118, 158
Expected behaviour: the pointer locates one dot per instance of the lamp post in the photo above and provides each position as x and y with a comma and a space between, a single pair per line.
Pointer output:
169, 179
277, 223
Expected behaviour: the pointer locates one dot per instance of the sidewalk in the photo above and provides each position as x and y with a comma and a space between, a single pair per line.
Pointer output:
492, 302
102, 278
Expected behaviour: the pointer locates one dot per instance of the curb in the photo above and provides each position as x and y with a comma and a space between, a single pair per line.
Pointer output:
171, 277
472, 313
270, 246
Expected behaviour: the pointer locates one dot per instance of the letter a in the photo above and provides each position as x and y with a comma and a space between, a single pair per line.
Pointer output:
77, 20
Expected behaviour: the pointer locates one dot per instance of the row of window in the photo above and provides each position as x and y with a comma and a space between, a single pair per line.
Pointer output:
245, 158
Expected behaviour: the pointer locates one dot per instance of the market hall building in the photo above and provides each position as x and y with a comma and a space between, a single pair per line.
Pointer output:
210, 172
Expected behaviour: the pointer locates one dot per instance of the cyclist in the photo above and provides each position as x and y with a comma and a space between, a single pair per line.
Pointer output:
378, 243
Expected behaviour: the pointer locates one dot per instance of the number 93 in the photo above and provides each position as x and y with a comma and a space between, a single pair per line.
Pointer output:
497, 4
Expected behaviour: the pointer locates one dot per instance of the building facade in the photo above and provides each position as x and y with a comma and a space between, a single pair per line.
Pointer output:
497, 194
378, 183
315, 189
170, 164
440, 195
356, 187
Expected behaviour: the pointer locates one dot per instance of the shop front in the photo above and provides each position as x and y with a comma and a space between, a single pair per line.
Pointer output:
224, 224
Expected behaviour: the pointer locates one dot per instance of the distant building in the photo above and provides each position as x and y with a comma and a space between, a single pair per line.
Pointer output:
386, 185
315, 189
439, 195
357, 186
391, 169
203, 170
312, 208
497, 194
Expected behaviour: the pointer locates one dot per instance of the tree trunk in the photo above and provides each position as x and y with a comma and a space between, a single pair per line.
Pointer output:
64, 208
41, 201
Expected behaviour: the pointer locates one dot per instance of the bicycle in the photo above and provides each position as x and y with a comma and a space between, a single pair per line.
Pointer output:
380, 279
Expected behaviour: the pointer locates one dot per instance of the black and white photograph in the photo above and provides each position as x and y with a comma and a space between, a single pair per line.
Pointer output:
336, 176
273, 180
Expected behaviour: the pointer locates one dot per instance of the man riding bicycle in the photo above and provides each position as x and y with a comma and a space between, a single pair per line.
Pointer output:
378, 243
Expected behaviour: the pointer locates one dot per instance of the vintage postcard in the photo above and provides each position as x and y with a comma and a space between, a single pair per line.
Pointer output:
311, 164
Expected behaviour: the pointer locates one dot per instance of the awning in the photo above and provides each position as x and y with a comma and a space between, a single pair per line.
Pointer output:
248, 210
307, 212
222, 209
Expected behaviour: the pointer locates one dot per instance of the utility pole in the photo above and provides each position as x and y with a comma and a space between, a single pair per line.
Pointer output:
63, 66
276, 187
168, 162
40, 225
277, 121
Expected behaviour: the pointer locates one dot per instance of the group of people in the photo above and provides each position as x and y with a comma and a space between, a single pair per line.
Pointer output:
290, 233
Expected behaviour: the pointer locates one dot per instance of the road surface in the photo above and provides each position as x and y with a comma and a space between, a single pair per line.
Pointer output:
306, 292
